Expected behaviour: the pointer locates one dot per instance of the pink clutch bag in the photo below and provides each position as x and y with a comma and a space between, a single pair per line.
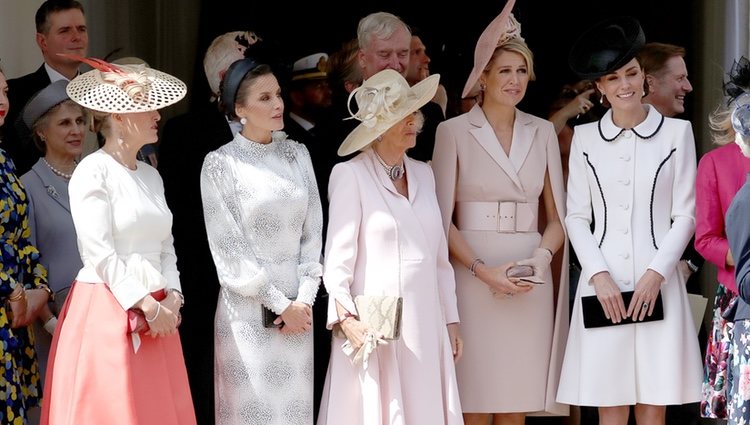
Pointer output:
136, 322
524, 273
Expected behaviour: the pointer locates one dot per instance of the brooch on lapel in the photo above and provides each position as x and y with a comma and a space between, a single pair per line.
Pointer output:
52, 191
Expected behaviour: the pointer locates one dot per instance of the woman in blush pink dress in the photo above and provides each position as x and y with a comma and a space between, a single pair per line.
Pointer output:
498, 176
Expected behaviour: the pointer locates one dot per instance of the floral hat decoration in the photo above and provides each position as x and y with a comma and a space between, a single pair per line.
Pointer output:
224, 51
383, 100
123, 88
502, 29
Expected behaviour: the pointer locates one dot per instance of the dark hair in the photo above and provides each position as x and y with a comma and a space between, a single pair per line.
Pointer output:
245, 83
654, 56
53, 6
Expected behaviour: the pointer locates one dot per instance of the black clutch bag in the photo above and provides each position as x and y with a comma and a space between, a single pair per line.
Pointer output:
269, 317
593, 313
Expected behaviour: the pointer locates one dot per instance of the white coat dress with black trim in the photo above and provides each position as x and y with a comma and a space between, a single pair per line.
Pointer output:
640, 185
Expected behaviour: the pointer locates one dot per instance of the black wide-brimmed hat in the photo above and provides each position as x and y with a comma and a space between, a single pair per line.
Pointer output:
606, 47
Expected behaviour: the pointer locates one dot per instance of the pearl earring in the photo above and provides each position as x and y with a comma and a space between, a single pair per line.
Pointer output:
243, 120
601, 100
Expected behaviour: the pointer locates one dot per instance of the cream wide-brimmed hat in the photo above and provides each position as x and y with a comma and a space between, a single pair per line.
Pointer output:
503, 28
124, 88
383, 100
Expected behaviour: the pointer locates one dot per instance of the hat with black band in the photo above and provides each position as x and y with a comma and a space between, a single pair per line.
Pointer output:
232, 79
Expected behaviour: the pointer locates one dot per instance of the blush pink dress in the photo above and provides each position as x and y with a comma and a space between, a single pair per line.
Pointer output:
382, 243
514, 346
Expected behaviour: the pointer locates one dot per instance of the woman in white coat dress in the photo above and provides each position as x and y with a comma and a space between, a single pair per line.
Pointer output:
385, 238
635, 170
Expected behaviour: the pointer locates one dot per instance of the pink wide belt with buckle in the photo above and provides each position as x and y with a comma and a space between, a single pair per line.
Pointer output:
501, 216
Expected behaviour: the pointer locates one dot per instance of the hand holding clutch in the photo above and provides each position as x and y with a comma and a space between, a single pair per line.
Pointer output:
539, 262
523, 273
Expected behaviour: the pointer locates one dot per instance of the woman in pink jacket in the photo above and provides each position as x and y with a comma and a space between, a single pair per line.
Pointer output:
721, 173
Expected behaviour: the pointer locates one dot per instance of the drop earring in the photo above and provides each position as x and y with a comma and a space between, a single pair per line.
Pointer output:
601, 100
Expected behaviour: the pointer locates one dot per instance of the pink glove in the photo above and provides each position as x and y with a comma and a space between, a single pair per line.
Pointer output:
539, 262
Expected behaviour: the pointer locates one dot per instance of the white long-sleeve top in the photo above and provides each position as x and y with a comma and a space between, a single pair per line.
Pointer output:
124, 228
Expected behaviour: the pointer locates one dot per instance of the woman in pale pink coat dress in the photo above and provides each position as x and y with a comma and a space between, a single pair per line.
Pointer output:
500, 188
385, 238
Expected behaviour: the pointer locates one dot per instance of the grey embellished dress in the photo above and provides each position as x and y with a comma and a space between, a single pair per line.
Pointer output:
264, 223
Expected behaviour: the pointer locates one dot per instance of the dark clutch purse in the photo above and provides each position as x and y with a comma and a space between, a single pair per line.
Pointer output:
269, 317
593, 312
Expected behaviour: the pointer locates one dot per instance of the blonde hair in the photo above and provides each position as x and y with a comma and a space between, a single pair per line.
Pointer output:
342, 64
720, 123
515, 45
99, 122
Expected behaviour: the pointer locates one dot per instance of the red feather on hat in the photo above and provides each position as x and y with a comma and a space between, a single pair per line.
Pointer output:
95, 63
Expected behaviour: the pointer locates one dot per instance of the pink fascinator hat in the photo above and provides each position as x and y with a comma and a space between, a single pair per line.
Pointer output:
503, 28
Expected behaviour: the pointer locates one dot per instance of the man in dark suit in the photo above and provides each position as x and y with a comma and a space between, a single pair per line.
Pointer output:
60, 28
184, 144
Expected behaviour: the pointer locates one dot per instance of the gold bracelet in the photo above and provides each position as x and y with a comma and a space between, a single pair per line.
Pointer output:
21, 294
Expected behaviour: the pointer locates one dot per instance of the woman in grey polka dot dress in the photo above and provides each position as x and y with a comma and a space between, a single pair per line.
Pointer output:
264, 223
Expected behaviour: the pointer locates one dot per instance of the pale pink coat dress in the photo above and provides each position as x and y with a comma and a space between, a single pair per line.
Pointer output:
513, 347
380, 242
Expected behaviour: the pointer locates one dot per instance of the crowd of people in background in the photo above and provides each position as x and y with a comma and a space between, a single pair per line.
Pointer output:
523, 266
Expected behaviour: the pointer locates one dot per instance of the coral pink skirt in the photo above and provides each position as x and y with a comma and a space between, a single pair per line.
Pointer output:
95, 377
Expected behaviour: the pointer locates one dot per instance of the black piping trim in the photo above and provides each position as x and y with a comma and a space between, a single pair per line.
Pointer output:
653, 190
601, 192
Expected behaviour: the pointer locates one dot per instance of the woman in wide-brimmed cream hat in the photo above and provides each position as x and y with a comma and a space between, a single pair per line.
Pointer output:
384, 238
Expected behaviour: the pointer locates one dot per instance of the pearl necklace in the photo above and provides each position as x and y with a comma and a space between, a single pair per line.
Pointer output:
58, 172
395, 172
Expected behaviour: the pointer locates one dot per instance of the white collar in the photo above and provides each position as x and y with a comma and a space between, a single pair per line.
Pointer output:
54, 75
645, 130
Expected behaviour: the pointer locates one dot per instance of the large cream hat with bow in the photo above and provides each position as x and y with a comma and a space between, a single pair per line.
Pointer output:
383, 100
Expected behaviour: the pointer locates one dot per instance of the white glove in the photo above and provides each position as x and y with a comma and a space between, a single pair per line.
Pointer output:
539, 262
